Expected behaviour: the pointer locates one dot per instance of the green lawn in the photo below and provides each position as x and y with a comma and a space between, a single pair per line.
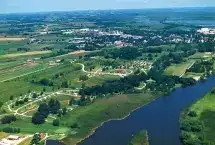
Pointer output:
140, 138
90, 117
178, 69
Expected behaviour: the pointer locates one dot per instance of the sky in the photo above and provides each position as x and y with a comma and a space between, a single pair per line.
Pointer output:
13, 6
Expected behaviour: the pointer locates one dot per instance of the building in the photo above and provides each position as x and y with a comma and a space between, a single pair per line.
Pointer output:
13, 137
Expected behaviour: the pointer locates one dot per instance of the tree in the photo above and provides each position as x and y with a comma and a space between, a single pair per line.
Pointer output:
56, 122
36, 139
11, 97
44, 109
34, 95
65, 84
64, 111
71, 101
8, 119
83, 78
26, 99
44, 89
54, 106
1, 104
38, 118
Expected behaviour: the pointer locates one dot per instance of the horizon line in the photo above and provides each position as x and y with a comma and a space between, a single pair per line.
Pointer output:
76, 10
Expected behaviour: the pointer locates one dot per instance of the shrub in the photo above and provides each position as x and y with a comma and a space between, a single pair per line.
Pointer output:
75, 125
185, 135
56, 122
192, 114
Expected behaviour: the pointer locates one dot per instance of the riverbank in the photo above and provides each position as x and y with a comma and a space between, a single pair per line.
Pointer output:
91, 117
197, 122
140, 138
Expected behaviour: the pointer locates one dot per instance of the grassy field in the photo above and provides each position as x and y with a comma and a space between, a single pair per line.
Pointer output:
90, 117
205, 113
27, 127
140, 138
98, 80
201, 55
178, 69
11, 38
26, 54
3, 135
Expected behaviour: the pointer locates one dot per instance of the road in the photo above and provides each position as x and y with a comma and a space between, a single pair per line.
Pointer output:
186, 70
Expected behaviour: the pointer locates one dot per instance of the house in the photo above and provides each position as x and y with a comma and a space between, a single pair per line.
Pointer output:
13, 137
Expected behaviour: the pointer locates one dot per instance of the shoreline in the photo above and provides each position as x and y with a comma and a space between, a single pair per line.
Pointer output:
117, 119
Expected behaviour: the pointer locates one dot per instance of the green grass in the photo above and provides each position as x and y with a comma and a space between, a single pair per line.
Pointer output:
140, 138
10, 46
3, 135
164, 47
201, 55
193, 75
98, 80
90, 117
178, 69
27, 127
22, 85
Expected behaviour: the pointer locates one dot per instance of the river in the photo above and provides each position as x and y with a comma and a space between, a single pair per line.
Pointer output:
160, 118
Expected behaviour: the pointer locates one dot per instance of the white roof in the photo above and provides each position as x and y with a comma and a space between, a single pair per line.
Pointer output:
13, 136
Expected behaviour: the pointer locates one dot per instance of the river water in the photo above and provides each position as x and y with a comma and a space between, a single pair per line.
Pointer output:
160, 118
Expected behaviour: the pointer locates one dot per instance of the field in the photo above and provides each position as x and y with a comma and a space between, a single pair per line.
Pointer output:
26, 142
90, 117
78, 52
3, 135
98, 80
178, 69
26, 54
202, 55
140, 138
11, 38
